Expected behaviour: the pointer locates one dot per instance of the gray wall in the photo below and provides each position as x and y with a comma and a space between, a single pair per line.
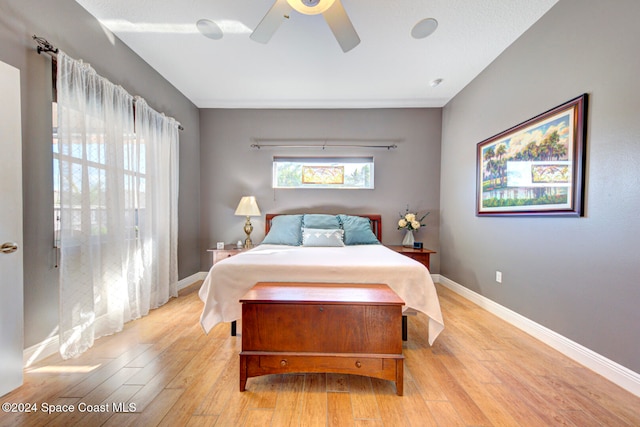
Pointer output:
576, 276
71, 28
230, 168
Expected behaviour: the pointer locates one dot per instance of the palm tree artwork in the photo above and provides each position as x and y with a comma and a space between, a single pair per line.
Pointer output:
530, 167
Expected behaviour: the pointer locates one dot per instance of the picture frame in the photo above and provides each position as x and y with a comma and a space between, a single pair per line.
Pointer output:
536, 167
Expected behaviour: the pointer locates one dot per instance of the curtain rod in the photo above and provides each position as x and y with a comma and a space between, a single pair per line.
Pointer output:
45, 47
271, 143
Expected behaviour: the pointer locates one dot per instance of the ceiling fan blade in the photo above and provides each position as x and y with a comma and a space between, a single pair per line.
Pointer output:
341, 26
271, 21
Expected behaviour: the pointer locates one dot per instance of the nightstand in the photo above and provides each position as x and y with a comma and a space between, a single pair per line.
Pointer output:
420, 255
228, 251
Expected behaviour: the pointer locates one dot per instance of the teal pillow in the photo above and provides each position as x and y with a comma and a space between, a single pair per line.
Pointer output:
322, 237
357, 230
321, 221
285, 230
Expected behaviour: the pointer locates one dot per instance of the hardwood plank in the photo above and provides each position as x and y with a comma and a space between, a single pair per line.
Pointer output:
522, 389
289, 402
445, 413
102, 373
425, 374
215, 402
469, 397
99, 401
416, 410
182, 411
363, 399
390, 406
339, 410
368, 423
156, 410
197, 366
338, 382
314, 401
258, 418
201, 421
155, 385
235, 411
605, 415
264, 392
99, 417
511, 410
581, 419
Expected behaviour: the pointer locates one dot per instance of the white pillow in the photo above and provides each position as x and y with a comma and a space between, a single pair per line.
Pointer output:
321, 237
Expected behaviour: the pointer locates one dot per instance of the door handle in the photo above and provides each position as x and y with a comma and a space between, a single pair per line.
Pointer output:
8, 247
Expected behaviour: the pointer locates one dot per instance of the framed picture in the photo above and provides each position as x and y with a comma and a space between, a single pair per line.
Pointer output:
536, 167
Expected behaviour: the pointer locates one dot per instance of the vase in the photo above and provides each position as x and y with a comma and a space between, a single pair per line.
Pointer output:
408, 240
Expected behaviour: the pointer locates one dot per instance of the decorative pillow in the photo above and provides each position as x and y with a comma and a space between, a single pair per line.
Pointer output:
357, 230
285, 230
322, 237
321, 221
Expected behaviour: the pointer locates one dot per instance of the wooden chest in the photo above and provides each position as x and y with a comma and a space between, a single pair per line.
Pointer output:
322, 327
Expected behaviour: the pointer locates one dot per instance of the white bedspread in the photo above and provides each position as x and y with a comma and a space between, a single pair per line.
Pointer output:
230, 279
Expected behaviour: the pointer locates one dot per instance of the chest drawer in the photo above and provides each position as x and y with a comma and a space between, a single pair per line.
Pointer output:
321, 363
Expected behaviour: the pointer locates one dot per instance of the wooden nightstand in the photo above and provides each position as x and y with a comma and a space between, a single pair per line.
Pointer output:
228, 251
420, 255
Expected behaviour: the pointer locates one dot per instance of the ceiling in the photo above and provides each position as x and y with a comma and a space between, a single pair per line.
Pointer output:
303, 66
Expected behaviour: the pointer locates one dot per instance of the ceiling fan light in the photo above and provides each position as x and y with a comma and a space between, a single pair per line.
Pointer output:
311, 7
424, 28
209, 29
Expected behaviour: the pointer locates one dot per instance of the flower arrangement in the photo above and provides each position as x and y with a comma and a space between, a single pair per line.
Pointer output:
410, 221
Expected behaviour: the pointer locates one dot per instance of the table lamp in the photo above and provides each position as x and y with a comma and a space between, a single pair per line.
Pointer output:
248, 207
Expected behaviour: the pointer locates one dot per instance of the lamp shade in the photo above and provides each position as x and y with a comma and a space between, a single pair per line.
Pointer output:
248, 207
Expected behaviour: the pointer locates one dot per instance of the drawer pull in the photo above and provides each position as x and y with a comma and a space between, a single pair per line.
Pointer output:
321, 308
283, 363
358, 364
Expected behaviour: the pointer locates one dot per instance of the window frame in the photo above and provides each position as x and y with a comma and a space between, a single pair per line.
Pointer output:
324, 167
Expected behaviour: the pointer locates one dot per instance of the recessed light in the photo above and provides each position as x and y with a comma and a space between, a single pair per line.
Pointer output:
209, 29
435, 82
424, 28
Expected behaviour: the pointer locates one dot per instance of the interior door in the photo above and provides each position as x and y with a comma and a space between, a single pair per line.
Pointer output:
11, 278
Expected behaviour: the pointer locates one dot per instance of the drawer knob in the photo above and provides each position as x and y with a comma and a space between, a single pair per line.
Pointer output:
283, 362
358, 364
321, 308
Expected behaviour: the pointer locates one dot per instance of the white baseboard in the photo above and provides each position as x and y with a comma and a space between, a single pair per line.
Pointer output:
41, 350
618, 374
51, 344
187, 281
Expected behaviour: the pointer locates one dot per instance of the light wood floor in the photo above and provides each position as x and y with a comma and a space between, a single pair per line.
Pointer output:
480, 372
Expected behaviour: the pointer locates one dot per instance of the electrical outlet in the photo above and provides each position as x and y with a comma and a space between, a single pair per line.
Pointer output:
499, 276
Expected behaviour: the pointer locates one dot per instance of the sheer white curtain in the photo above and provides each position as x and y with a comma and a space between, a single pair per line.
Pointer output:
158, 213
109, 273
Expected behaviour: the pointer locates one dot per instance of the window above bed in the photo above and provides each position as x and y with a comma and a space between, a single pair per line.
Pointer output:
323, 172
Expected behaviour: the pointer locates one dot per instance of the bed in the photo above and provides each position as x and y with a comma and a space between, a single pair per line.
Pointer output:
318, 248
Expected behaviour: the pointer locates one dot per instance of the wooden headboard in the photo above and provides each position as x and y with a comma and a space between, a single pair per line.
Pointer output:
376, 223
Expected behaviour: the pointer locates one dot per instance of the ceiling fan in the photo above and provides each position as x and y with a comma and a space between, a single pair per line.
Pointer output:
332, 11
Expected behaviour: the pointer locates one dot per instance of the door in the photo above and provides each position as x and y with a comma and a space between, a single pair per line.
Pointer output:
11, 297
